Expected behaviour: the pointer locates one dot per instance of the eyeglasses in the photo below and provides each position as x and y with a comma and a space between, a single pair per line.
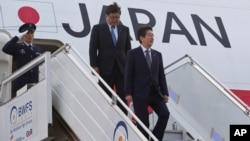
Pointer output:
114, 17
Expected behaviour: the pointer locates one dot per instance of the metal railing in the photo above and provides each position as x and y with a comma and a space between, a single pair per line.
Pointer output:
242, 105
67, 48
45, 57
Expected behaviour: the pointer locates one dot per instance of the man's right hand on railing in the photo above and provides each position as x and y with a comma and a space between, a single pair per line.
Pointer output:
96, 70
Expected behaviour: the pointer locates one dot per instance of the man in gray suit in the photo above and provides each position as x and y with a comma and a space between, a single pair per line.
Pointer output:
145, 82
108, 47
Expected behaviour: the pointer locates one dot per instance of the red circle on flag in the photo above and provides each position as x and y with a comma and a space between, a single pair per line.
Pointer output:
28, 15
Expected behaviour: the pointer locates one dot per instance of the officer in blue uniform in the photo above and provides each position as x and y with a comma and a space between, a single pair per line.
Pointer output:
23, 53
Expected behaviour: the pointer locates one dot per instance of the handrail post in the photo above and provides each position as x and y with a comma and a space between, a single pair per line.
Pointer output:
19, 72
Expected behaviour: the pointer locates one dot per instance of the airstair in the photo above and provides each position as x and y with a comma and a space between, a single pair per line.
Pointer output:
27, 116
68, 98
201, 107
83, 107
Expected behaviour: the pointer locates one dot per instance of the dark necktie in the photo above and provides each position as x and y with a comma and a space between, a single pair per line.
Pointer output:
113, 35
30, 46
148, 59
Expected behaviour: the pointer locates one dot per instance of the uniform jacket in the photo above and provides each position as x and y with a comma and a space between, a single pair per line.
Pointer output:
22, 54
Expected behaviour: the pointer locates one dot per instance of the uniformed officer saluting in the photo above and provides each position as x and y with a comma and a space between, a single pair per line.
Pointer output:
23, 53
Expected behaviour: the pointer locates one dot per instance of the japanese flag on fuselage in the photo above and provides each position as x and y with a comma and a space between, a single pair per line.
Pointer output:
16, 13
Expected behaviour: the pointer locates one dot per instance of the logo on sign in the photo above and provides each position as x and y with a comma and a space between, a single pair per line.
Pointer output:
13, 115
120, 132
17, 112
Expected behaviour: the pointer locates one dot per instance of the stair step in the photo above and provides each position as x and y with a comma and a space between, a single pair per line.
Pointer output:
173, 135
49, 139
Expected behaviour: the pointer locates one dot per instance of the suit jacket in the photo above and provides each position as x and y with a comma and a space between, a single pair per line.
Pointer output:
139, 78
22, 54
103, 52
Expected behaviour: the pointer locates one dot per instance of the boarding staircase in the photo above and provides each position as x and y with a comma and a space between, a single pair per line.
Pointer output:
201, 107
82, 111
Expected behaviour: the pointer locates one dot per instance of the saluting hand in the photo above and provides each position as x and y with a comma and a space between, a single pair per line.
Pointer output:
20, 36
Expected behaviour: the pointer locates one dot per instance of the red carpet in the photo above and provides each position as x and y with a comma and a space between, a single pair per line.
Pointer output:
244, 95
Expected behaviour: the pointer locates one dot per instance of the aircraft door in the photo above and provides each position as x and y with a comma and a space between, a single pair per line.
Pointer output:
5, 62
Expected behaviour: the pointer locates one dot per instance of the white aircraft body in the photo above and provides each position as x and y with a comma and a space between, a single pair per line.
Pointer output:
215, 33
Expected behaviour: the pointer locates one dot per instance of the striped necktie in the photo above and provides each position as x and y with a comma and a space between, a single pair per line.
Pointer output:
148, 59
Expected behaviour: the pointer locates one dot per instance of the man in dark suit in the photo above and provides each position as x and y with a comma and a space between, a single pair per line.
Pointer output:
109, 44
145, 82
23, 53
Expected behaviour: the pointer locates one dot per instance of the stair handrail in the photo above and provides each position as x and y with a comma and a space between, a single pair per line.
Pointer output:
245, 108
67, 47
42, 58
